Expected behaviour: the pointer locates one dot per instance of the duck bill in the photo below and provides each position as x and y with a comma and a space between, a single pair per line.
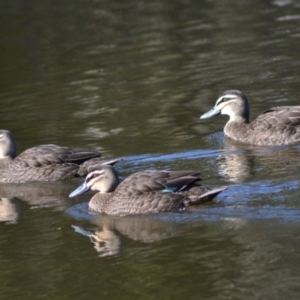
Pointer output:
214, 111
80, 190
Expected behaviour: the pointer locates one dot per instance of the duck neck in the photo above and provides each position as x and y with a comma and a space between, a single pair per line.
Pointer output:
237, 129
4, 161
240, 119
99, 201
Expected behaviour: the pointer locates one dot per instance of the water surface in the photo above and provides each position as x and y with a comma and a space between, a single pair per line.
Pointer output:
131, 79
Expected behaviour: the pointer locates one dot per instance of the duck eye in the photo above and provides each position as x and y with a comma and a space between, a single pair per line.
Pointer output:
91, 176
224, 99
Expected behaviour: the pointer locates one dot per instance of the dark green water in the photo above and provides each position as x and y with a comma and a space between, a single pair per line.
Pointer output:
131, 78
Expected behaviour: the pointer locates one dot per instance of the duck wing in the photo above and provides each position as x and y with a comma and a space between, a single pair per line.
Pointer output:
156, 181
150, 192
53, 154
47, 163
197, 194
280, 125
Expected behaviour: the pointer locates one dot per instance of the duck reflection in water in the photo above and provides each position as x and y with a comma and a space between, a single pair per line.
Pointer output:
110, 230
237, 164
106, 242
39, 194
240, 162
10, 210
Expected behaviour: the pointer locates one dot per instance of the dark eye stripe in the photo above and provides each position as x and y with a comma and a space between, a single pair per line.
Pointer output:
93, 175
225, 99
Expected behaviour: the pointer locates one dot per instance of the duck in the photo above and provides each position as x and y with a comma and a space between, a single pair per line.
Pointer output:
44, 162
149, 191
276, 126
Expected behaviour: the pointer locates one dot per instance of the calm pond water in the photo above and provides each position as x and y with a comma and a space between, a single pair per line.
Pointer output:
131, 78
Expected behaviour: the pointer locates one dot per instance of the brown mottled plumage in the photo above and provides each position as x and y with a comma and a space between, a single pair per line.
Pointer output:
42, 163
144, 192
276, 126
